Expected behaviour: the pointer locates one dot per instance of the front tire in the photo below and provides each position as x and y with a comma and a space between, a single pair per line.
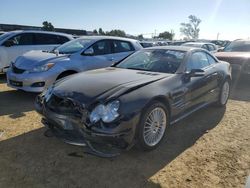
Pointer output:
152, 126
224, 94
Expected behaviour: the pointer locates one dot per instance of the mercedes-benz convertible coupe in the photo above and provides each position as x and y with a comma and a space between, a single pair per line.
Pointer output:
132, 102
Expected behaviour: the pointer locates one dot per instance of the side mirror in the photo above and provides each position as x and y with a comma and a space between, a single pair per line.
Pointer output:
56, 52
193, 73
89, 52
8, 43
196, 73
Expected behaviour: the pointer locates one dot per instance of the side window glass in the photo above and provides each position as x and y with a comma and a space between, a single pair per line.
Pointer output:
22, 39
198, 60
43, 39
101, 48
211, 60
210, 47
62, 40
122, 46
205, 47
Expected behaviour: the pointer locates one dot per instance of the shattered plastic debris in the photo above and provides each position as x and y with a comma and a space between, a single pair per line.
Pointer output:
1, 133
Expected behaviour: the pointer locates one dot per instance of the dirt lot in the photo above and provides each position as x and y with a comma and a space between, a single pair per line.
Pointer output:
209, 149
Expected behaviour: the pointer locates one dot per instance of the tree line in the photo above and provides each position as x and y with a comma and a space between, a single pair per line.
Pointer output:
189, 30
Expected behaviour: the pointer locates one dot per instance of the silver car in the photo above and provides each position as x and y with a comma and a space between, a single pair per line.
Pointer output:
207, 46
36, 70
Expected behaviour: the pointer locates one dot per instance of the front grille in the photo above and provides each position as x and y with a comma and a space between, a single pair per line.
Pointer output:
17, 70
61, 105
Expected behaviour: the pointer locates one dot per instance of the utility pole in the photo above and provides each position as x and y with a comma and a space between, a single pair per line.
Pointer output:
155, 32
218, 34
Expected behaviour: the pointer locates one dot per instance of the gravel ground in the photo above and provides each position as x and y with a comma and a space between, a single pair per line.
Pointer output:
211, 148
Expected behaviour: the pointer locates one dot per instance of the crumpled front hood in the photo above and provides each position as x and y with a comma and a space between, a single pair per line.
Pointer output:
37, 58
234, 57
104, 84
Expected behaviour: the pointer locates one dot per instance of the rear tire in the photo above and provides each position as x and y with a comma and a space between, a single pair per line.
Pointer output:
152, 126
224, 93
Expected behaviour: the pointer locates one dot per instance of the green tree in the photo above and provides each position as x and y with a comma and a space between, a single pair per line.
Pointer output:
101, 32
116, 32
95, 32
167, 35
47, 26
191, 29
140, 37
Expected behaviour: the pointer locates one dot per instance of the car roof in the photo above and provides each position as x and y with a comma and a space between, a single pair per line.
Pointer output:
177, 48
146, 42
241, 40
39, 31
101, 37
198, 43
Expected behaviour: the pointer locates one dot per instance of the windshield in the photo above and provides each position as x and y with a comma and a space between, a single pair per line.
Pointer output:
4, 36
73, 46
165, 61
238, 46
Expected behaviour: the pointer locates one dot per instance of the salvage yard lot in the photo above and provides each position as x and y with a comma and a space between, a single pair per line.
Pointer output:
211, 148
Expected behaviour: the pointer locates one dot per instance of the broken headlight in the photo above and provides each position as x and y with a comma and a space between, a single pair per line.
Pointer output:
106, 113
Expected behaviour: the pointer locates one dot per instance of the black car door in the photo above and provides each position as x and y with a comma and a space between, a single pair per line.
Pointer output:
198, 88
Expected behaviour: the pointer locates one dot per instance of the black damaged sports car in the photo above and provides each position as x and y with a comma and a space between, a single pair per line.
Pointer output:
134, 101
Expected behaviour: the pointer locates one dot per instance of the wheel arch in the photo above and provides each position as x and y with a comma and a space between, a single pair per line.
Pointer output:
163, 99
66, 73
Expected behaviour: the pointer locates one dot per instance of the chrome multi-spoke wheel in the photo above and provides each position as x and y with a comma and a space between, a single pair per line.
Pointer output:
225, 90
155, 126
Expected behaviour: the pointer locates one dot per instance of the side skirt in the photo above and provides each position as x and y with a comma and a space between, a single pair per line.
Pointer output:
189, 113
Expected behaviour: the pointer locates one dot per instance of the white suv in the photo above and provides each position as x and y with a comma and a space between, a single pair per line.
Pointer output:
16, 43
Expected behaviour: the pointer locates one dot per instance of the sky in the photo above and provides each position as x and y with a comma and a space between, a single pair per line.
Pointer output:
230, 19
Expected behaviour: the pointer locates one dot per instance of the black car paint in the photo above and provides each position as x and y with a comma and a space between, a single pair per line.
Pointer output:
135, 89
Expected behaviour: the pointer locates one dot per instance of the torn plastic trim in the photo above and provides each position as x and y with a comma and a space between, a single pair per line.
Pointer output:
90, 148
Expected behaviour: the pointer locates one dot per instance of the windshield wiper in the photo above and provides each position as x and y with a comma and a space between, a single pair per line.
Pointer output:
135, 68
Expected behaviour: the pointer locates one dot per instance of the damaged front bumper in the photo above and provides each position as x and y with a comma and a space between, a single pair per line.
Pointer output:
101, 140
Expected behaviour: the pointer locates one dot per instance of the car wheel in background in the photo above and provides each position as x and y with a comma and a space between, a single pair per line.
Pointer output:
224, 94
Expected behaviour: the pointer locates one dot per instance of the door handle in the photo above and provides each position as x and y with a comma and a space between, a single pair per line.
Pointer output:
111, 59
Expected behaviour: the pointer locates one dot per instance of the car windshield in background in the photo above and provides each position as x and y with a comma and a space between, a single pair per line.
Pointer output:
4, 36
238, 46
165, 61
146, 44
73, 46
